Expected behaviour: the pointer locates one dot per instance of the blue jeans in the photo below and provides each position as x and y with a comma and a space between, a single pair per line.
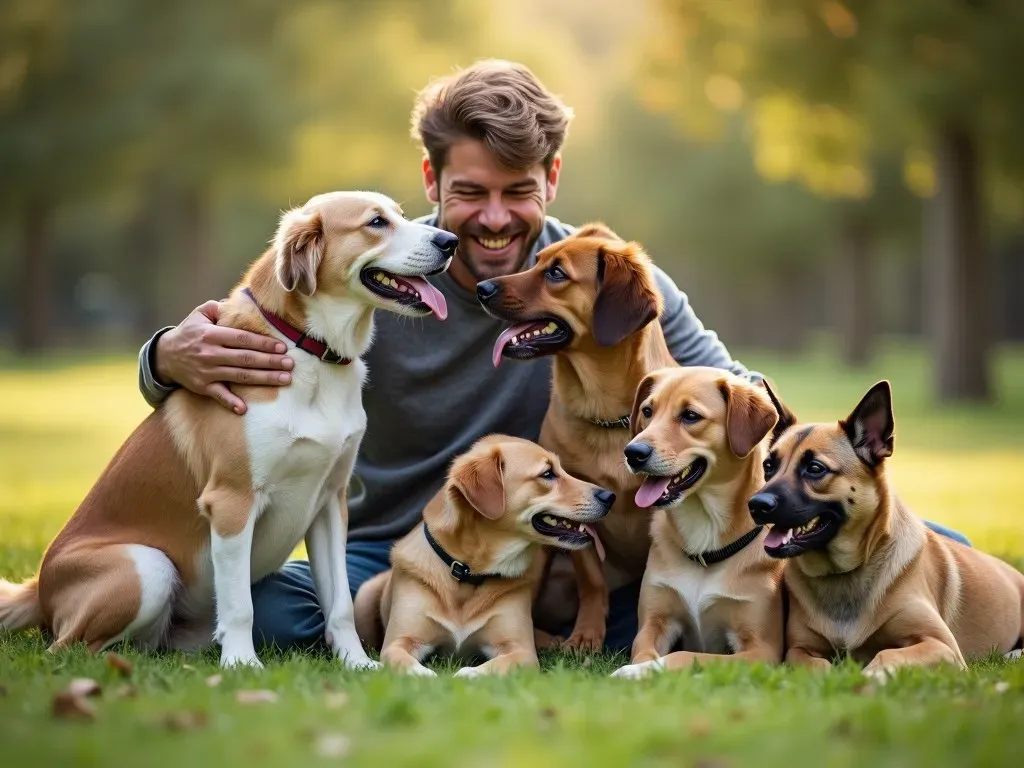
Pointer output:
287, 614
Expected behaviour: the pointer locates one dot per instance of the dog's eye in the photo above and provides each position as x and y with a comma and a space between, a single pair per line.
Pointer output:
647, 411
816, 469
691, 417
549, 474
555, 274
377, 222
769, 467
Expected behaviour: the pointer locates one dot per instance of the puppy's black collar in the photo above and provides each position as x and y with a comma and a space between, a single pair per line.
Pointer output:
718, 555
459, 571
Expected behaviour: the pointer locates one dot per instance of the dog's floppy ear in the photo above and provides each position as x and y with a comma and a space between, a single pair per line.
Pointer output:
480, 481
871, 425
300, 245
643, 391
786, 417
596, 229
626, 298
749, 416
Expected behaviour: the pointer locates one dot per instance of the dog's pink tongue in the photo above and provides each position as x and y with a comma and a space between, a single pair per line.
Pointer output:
776, 537
651, 491
429, 295
597, 541
505, 339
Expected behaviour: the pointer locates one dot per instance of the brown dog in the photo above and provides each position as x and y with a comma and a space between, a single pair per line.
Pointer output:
465, 579
700, 439
590, 300
866, 576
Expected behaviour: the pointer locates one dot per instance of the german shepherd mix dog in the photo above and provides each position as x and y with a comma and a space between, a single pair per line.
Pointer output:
590, 300
866, 576
199, 503
699, 437
464, 580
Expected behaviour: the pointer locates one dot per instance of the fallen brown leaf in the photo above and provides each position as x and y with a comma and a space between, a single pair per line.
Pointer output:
186, 721
214, 680
83, 686
700, 726
256, 697
119, 663
333, 745
68, 706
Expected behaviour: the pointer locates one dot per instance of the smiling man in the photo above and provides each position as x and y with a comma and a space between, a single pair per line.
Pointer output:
491, 135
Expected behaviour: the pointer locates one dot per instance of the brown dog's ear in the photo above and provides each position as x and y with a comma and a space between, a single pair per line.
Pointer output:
626, 300
749, 416
596, 229
300, 245
871, 425
480, 480
786, 417
642, 393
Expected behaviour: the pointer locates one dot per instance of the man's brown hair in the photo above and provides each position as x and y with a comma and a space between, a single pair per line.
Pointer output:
499, 103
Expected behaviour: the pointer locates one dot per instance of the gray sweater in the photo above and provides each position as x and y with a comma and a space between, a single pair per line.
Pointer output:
433, 391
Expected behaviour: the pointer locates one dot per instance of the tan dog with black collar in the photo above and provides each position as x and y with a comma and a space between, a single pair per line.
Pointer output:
198, 504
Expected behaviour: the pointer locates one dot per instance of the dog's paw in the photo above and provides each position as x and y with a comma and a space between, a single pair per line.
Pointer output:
585, 640
418, 670
233, 660
545, 641
470, 672
359, 661
878, 673
1014, 655
641, 670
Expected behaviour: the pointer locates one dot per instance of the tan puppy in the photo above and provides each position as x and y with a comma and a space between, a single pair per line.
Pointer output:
699, 438
590, 300
199, 503
464, 580
866, 576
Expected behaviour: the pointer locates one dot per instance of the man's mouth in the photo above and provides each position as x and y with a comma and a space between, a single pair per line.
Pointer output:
406, 290
784, 542
664, 491
531, 339
567, 533
495, 245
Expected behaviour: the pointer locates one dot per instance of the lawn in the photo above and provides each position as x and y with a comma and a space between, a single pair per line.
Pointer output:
60, 421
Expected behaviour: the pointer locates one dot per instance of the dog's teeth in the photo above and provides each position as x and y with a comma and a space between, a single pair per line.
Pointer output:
549, 520
812, 525
550, 328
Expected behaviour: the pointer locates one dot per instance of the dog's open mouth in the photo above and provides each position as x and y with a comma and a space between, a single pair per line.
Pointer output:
531, 339
567, 533
789, 542
664, 491
411, 291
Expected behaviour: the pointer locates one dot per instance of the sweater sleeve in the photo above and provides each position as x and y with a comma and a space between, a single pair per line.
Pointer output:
152, 390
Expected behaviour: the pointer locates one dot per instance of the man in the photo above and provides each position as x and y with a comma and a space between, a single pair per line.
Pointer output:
492, 136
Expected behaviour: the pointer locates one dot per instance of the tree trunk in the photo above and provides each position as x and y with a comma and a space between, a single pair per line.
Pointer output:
957, 273
34, 329
855, 292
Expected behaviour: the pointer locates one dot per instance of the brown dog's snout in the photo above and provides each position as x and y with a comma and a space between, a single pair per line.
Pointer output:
486, 290
605, 498
638, 454
763, 506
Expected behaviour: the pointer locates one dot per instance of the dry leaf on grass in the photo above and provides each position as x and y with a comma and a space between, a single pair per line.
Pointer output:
214, 680
700, 726
185, 721
256, 697
68, 706
336, 700
83, 686
333, 745
120, 664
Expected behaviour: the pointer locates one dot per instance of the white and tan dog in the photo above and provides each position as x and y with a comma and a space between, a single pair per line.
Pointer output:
198, 504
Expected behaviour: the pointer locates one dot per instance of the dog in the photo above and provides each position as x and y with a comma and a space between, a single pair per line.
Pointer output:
865, 576
699, 437
198, 503
590, 300
464, 580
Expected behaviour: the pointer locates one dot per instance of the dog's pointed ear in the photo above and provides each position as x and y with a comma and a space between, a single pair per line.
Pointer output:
786, 417
596, 229
643, 391
300, 244
749, 417
626, 296
480, 480
870, 425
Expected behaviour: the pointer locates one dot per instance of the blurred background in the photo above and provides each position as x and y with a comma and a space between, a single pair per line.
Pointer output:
810, 171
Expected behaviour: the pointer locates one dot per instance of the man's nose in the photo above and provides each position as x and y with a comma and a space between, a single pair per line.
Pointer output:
495, 216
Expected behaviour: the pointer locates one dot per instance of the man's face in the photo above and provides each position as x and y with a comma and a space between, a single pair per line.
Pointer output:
498, 214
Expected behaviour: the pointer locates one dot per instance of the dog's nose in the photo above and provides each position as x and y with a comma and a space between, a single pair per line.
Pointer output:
762, 504
446, 242
637, 454
487, 289
604, 497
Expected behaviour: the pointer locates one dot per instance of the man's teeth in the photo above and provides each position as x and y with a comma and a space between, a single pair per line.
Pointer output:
547, 330
494, 243
383, 279
557, 522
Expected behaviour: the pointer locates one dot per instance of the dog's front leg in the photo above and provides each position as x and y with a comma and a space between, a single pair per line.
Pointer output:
232, 521
930, 651
508, 639
591, 621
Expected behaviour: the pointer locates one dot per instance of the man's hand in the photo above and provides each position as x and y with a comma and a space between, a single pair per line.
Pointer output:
202, 356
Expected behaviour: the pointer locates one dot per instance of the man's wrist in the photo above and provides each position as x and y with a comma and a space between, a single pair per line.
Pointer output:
160, 376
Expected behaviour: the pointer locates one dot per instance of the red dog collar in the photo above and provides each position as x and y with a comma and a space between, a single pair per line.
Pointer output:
306, 343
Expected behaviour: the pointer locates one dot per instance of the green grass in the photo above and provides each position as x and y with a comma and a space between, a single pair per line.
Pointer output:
61, 421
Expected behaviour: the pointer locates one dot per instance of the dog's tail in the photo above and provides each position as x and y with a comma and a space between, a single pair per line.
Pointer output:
19, 605
366, 607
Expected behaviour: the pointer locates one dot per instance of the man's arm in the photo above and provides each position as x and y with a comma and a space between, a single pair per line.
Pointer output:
204, 357
689, 342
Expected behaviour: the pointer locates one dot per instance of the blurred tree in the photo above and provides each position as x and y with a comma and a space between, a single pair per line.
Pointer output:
828, 84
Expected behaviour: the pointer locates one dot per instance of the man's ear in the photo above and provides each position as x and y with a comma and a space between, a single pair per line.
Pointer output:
643, 391
431, 182
596, 229
299, 243
749, 417
870, 425
786, 417
481, 482
626, 299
